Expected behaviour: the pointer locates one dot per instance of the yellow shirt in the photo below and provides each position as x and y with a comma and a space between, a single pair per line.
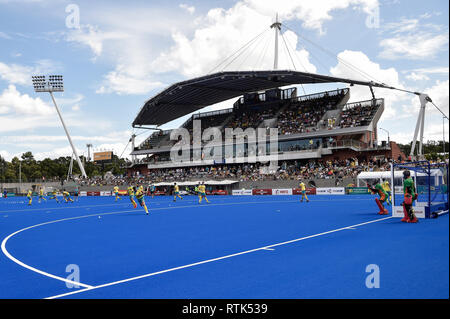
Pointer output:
177, 189
41, 192
139, 193
202, 188
66, 194
116, 189
302, 186
130, 191
29, 193
386, 186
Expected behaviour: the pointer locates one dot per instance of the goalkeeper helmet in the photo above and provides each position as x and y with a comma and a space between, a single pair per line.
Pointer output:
406, 174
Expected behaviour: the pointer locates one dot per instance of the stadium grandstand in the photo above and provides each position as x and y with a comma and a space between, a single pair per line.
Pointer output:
146, 227
318, 128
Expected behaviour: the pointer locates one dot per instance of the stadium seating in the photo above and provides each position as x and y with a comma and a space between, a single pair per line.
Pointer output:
358, 114
294, 115
303, 116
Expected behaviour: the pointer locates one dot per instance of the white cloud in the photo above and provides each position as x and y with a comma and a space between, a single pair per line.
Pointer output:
313, 14
403, 125
413, 39
222, 34
121, 81
423, 74
21, 74
20, 112
3, 35
107, 138
93, 37
401, 109
12, 101
432, 70
63, 151
439, 93
6, 155
57, 145
404, 25
16, 74
198, 44
420, 45
190, 9
417, 76
389, 76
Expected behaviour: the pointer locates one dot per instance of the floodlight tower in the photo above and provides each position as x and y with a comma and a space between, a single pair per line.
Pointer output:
54, 83
89, 146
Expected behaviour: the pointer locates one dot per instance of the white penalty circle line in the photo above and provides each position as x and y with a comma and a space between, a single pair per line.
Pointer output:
269, 247
90, 287
17, 261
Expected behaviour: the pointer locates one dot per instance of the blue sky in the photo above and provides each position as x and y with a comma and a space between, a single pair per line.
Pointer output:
121, 53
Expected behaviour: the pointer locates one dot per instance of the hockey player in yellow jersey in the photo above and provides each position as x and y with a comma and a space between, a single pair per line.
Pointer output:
176, 192
387, 189
303, 190
55, 191
202, 193
116, 192
66, 196
30, 197
41, 194
140, 197
130, 191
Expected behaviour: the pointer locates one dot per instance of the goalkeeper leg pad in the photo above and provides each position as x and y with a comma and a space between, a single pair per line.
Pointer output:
412, 216
382, 211
405, 213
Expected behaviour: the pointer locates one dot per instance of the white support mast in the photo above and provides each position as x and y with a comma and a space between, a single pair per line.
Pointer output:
420, 126
277, 26
132, 140
70, 172
55, 84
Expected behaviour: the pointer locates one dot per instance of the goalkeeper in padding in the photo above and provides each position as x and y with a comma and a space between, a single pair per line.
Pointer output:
378, 189
409, 191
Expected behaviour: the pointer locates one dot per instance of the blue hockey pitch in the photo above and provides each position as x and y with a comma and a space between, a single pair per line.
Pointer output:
235, 247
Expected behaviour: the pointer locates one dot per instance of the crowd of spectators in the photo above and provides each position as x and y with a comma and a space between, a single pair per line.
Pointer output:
249, 118
358, 115
304, 116
287, 170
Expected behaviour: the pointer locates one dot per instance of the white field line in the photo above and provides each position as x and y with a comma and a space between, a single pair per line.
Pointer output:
17, 261
149, 202
270, 247
69, 206
56, 208
8, 255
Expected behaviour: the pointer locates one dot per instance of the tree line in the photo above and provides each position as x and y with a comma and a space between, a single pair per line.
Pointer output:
433, 150
27, 168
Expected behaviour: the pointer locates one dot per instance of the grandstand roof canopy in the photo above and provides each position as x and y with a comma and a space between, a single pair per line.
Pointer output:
189, 96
